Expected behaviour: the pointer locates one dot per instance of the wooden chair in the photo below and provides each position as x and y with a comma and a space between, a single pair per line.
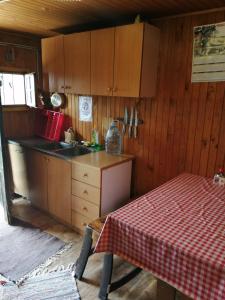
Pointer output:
87, 250
87, 247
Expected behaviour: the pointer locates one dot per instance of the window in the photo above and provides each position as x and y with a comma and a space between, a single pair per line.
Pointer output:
17, 89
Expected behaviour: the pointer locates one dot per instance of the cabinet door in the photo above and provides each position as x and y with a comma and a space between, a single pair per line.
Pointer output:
128, 58
102, 58
77, 63
19, 172
59, 188
53, 64
37, 174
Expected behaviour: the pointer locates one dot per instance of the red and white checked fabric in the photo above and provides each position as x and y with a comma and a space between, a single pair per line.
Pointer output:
177, 232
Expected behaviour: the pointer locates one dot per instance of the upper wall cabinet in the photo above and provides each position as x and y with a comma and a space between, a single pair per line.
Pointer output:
53, 64
102, 61
124, 60
120, 61
77, 63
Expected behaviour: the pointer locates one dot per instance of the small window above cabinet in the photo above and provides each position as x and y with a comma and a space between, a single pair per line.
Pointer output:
124, 60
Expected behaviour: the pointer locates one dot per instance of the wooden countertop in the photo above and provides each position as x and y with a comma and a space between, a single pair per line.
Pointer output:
101, 160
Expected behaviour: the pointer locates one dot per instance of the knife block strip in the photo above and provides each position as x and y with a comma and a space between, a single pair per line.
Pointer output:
140, 122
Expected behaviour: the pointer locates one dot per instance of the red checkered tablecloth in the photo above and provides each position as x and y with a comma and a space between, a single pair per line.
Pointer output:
177, 232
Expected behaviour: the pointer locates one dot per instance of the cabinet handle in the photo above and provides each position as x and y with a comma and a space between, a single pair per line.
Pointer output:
109, 89
62, 87
85, 175
115, 89
85, 192
67, 87
85, 208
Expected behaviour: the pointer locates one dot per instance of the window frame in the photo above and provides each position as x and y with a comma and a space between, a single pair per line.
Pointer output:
20, 107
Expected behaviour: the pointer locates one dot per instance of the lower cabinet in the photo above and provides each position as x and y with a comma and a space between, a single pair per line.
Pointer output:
59, 188
50, 184
37, 178
75, 192
97, 192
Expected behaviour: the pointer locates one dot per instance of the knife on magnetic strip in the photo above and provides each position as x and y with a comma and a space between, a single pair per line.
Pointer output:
125, 121
131, 122
135, 123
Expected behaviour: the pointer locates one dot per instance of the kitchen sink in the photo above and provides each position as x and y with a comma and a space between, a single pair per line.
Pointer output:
74, 151
54, 146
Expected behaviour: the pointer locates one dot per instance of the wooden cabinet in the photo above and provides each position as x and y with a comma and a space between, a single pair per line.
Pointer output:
53, 64
77, 63
97, 191
49, 184
37, 164
120, 61
124, 60
59, 188
128, 60
102, 61
19, 171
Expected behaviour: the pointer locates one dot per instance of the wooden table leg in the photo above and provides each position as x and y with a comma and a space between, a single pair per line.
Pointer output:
165, 291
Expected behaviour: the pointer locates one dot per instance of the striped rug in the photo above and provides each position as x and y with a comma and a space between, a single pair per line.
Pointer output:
59, 285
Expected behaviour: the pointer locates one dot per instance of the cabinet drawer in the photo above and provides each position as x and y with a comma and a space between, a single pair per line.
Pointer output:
86, 174
79, 221
85, 207
86, 191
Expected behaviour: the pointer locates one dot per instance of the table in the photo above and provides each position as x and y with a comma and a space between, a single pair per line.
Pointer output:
177, 232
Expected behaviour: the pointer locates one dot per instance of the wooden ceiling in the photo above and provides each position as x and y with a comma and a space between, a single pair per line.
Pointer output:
46, 18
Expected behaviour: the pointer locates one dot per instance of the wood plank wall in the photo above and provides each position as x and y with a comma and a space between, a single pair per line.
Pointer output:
18, 124
21, 123
184, 126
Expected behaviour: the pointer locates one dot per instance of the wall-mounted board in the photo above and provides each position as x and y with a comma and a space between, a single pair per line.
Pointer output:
208, 64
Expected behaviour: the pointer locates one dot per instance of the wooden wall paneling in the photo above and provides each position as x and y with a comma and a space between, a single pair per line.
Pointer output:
99, 118
162, 100
217, 118
191, 127
140, 166
220, 159
187, 99
176, 121
196, 134
209, 116
198, 141
146, 145
209, 110
165, 163
18, 124
182, 44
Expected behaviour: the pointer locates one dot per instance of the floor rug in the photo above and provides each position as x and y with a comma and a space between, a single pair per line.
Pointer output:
24, 248
55, 285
